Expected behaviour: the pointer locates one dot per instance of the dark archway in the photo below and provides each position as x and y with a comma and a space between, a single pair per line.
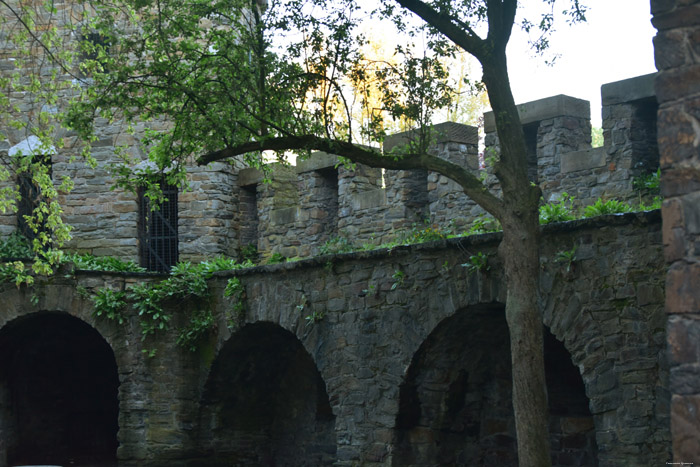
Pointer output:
59, 385
455, 403
265, 403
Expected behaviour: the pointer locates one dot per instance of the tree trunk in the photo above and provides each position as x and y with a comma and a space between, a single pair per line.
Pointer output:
520, 252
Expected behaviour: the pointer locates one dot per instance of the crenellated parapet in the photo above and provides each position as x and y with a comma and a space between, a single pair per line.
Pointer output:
229, 209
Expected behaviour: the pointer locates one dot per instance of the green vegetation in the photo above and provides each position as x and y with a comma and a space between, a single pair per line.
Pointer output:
16, 246
558, 211
567, 256
88, 262
187, 282
477, 263
600, 208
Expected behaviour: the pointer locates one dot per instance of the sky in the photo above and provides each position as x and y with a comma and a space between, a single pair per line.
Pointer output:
614, 44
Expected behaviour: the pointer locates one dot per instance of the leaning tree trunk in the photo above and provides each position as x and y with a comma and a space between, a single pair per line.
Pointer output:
520, 252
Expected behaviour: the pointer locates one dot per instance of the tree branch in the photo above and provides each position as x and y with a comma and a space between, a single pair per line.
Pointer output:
445, 24
472, 186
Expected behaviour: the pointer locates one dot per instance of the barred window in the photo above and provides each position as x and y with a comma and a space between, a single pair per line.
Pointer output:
158, 239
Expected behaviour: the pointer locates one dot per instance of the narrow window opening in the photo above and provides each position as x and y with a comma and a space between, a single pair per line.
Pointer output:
158, 234
248, 206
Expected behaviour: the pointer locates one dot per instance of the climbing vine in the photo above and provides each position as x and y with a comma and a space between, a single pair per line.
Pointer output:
186, 282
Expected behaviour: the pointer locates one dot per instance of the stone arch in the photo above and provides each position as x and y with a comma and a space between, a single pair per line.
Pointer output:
265, 403
58, 392
455, 402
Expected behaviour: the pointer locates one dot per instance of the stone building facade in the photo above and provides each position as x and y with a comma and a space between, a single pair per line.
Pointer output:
408, 373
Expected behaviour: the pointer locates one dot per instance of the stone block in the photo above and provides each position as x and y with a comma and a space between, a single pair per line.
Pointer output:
542, 109
683, 288
369, 199
628, 90
583, 160
317, 161
685, 428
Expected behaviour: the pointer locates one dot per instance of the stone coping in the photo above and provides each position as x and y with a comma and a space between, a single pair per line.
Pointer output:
543, 109
583, 160
486, 240
627, 90
446, 132
318, 160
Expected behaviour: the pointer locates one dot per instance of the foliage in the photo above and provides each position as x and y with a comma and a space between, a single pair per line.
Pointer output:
567, 256
600, 208
314, 317
110, 304
89, 262
335, 245
558, 211
199, 325
648, 184
186, 282
249, 253
236, 293
477, 263
16, 246
655, 204
399, 276
428, 233
15, 272
597, 140
276, 258
484, 224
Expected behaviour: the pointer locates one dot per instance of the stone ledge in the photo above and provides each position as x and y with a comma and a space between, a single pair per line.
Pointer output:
583, 160
318, 160
446, 132
248, 177
543, 109
628, 90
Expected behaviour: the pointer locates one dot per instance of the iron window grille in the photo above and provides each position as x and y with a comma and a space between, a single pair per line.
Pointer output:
158, 237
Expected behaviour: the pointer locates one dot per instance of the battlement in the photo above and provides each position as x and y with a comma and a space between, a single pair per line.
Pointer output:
229, 206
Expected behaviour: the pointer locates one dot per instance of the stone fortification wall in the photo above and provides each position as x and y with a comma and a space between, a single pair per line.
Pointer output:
377, 378
327, 201
558, 135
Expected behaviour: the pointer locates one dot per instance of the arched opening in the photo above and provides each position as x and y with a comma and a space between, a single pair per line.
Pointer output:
58, 392
265, 403
455, 404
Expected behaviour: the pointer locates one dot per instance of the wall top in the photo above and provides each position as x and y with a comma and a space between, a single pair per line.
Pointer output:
543, 109
444, 132
627, 90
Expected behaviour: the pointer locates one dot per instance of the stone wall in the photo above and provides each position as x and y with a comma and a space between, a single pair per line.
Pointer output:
678, 91
105, 217
325, 200
374, 334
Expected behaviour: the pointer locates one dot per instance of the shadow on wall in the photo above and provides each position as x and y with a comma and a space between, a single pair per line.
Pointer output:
455, 404
58, 392
265, 403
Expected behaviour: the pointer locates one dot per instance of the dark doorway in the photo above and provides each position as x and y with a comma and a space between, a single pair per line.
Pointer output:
265, 404
455, 404
59, 383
